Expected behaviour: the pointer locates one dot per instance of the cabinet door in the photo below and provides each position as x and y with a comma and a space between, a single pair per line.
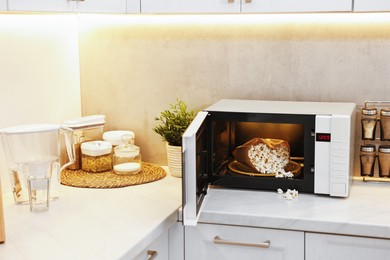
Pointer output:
320, 246
101, 6
157, 250
190, 6
41, 5
176, 241
266, 6
133, 6
371, 5
217, 242
3, 5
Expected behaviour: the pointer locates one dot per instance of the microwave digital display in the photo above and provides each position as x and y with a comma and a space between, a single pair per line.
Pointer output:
322, 137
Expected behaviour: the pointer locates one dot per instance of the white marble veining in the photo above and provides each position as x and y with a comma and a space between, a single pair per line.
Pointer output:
96, 224
366, 212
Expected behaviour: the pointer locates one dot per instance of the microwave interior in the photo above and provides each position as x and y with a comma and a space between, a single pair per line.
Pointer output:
224, 132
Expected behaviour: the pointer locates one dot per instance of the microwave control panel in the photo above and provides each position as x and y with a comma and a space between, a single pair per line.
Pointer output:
333, 161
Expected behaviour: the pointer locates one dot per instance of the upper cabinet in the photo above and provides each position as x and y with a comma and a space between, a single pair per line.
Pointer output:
41, 5
244, 6
289, 6
371, 5
101, 6
133, 6
195, 6
190, 6
82, 6
3, 5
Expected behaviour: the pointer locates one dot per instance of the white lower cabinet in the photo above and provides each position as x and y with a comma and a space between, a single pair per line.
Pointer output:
176, 241
168, 246
156, 250
337, 247
217, 242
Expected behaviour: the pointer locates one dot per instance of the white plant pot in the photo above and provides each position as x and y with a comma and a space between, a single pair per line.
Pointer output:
174, 160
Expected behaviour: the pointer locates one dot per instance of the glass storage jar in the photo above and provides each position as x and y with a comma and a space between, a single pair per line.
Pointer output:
368, 121
385, 124
96, 156
384, 160
127, 157
367, 160
85, 129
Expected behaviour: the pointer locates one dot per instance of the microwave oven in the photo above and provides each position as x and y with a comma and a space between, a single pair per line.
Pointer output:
320, 137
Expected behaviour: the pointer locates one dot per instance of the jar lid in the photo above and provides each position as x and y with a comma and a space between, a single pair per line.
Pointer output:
385, 112
367, 148
115, 137
384, 148
369, 111
127, 150
85, 122
96, 148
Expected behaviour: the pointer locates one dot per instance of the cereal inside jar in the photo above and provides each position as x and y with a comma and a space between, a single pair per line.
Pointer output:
96, 156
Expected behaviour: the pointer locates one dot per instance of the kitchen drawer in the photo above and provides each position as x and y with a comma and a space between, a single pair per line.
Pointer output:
207, 241
157, 250
324, 246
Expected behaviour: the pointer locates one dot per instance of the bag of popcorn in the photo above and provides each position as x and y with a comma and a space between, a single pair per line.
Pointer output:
264, 155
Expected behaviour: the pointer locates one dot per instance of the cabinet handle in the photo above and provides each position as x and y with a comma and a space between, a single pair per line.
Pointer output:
218, 240
230, 1
248, 1
151, 254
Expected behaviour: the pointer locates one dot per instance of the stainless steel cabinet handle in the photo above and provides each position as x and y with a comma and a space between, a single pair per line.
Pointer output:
151, 254
218, 240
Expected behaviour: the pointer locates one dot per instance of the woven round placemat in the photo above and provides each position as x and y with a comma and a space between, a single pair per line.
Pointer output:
79, 178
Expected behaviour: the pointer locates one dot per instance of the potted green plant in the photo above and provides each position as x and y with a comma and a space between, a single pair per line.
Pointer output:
172, 124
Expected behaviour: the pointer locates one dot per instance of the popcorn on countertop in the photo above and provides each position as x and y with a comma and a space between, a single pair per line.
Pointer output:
289, 195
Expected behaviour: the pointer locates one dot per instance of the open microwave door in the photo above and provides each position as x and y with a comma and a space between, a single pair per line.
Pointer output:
195, 178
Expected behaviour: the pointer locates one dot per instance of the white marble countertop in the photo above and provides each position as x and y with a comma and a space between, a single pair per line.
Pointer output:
366, 212
93, 224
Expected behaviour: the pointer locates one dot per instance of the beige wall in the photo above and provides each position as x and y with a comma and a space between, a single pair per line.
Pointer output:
39, 72
133, 67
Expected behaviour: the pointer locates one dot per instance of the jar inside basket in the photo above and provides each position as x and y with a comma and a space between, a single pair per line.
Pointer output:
96, 156
127, 157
